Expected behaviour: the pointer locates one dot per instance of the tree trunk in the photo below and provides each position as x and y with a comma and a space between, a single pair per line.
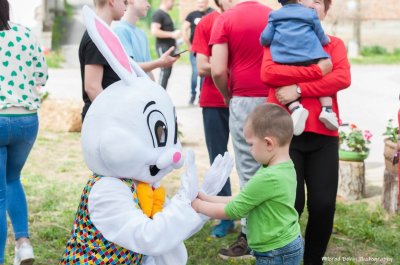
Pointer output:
390, 180
351, 180
390, 192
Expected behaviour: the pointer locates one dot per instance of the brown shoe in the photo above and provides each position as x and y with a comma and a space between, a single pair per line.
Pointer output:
238, 250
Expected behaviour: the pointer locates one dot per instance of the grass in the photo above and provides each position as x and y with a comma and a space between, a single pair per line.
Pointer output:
54, 59
377, 59
55, 175
377, 55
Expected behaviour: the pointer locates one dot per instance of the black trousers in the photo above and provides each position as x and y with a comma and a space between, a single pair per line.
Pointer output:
216, 130
316, 160
165, 73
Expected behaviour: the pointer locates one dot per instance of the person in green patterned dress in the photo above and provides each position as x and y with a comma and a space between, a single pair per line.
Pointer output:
22, 69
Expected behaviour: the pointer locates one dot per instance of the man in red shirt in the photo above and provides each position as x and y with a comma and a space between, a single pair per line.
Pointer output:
237, 52
215, 111
315, 151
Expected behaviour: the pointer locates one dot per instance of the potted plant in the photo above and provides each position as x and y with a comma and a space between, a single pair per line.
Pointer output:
353, 143
390, 154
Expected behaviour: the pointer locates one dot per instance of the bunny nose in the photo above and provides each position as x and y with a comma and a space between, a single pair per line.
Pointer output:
177, 157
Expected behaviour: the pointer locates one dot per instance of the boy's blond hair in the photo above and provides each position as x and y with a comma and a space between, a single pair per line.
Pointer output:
271, 120
99, 3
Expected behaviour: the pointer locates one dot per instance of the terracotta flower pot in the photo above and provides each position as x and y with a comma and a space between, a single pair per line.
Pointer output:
352, 156
388, 153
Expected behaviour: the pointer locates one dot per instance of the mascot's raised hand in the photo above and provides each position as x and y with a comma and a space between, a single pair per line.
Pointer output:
215, 178
130, 142
189, 180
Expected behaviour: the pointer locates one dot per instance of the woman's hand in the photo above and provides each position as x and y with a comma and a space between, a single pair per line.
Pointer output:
287, 94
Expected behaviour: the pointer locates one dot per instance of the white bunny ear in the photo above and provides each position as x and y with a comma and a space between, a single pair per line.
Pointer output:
109, 45
138, 70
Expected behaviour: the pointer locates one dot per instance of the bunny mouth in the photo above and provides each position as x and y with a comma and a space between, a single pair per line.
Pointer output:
154, 170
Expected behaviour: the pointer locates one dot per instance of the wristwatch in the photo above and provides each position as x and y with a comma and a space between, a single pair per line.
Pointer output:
298, 90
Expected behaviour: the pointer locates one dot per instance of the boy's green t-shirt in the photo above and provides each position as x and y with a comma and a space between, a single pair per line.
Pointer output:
268, 202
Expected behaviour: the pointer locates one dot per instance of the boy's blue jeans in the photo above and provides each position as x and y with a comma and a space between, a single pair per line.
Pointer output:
17, 135
291, 254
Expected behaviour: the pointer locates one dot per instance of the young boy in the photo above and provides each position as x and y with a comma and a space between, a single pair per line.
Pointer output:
296, 37
96, 73
268, 198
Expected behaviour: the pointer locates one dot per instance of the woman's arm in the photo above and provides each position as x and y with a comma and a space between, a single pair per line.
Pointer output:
328, 85
338, 79
278, 75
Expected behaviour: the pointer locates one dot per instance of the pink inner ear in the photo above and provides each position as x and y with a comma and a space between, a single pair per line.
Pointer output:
114, 45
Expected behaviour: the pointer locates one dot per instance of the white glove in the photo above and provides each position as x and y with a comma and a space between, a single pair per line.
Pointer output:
189, 181
215, 178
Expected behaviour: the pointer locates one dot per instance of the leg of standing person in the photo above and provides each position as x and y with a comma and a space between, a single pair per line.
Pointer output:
193, 81
216, 130
317, 162
165, 72
4, 135
23, 132
246, 166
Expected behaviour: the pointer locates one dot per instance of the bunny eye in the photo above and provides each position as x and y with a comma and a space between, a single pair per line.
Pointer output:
158, 128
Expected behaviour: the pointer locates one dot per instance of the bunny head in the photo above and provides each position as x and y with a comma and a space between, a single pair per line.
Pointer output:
130, 130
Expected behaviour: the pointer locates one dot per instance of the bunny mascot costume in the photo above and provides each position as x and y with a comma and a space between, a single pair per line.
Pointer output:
129, 140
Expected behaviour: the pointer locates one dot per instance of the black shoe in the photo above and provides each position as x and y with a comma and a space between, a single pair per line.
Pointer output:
238, 250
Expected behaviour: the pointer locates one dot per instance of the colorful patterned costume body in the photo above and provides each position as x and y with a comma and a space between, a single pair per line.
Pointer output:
86, 241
